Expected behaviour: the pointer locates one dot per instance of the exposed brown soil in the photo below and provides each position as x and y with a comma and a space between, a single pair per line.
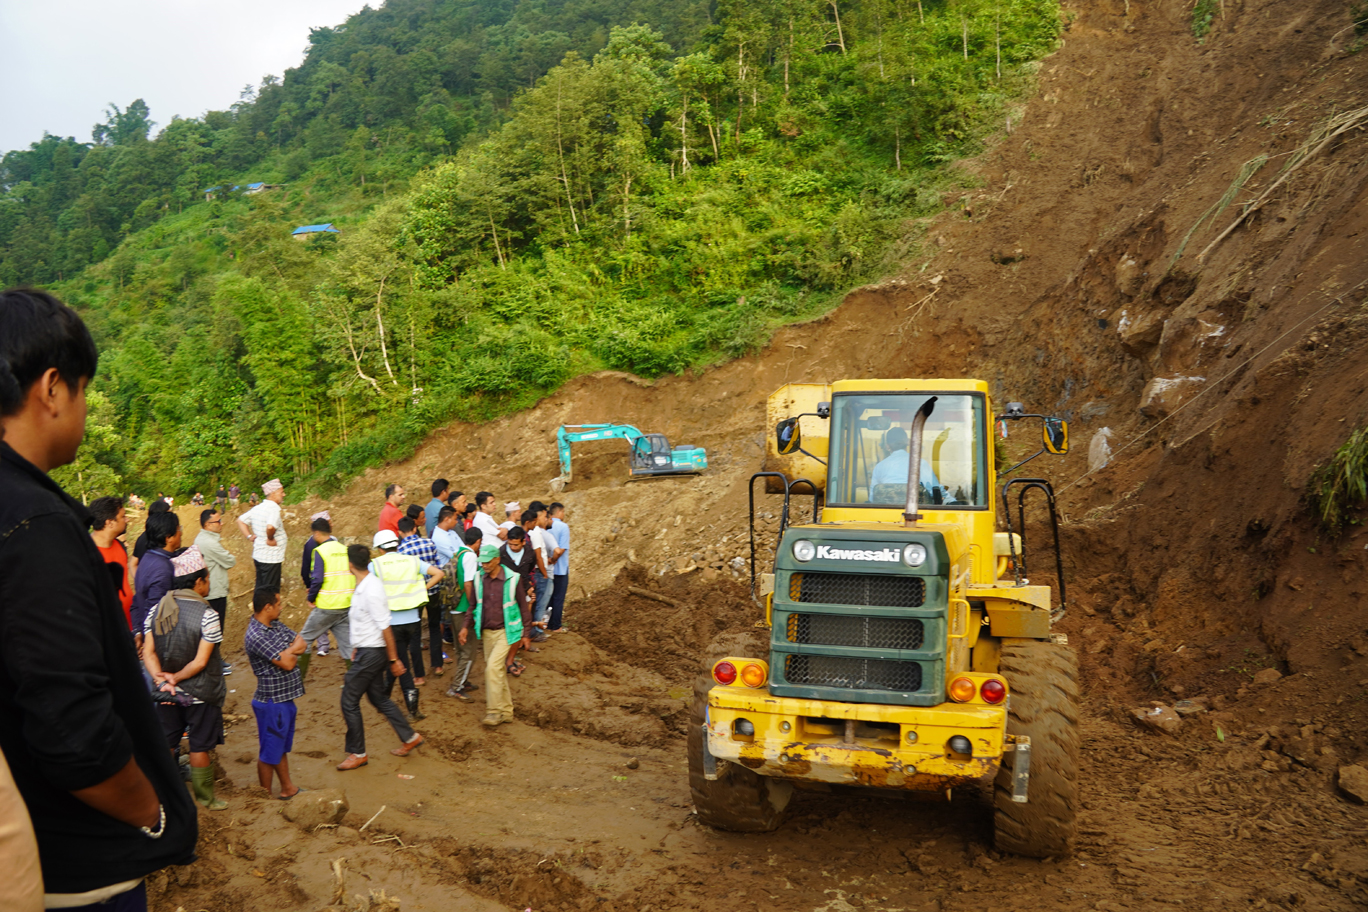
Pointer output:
1192, 560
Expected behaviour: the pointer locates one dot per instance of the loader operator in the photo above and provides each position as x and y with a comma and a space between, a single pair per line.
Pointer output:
892, 470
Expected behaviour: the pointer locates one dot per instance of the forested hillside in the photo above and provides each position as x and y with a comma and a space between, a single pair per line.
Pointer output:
522, 193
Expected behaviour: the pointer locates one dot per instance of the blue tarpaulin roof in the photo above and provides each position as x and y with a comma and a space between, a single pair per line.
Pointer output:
313, 229
256, 186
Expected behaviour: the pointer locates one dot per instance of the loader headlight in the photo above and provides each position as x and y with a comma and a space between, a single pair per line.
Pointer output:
914, 555
804, 550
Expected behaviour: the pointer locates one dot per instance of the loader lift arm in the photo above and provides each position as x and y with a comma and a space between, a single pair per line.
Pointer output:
650, 454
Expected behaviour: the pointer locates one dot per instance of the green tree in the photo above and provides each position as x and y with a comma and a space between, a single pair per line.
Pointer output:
95, 472
122, 128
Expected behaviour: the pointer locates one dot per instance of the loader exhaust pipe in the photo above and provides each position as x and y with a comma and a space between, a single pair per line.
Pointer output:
910, 515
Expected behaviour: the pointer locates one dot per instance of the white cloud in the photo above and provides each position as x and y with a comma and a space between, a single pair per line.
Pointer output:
67, 60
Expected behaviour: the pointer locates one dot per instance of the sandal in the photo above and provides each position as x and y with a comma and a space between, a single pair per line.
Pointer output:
298, 789
439, 671
515, 669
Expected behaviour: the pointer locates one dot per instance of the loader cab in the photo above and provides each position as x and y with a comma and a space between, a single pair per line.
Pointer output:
869, 450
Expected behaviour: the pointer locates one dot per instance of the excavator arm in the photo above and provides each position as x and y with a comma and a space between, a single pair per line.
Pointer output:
574, 433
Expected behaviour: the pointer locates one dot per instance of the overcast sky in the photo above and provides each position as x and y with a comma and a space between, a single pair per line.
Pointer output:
65, 61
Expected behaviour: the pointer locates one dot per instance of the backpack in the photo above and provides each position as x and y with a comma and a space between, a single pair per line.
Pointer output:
453, 586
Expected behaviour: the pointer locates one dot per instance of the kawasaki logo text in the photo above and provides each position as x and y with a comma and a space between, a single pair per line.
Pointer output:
883, 554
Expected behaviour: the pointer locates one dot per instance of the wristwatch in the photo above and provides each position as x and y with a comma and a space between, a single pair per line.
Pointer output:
161, 826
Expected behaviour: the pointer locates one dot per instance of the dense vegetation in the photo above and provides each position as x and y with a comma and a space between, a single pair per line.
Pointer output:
524, 191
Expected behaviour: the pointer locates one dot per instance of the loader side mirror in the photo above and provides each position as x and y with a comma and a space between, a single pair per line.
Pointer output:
788, 436
1055, 434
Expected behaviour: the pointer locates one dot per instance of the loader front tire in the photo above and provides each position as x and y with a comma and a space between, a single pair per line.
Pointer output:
1042, 681
737, 800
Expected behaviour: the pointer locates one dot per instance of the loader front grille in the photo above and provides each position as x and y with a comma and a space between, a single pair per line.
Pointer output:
875, 590
845, 630
851, 673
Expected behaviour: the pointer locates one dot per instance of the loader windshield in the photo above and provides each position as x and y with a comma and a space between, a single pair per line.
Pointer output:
870, 437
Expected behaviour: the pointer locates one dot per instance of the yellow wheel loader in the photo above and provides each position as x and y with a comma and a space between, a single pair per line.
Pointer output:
907, 650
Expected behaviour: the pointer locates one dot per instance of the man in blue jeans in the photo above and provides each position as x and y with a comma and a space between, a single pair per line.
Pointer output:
560, 570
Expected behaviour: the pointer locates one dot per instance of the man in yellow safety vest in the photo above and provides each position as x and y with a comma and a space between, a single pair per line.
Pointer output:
406, 580
330, 594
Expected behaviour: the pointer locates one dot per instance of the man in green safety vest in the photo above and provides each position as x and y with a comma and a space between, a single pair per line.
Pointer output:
406, 580
330, 594
498, 612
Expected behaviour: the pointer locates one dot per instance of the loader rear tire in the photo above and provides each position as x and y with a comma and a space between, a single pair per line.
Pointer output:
1042, 679
737, 800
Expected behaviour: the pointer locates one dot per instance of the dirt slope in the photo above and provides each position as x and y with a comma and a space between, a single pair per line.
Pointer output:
1192, 560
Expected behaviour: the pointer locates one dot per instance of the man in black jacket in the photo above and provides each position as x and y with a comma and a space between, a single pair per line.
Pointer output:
76, 721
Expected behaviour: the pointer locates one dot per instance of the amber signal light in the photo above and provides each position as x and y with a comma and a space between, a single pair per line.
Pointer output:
753, 675
962, 690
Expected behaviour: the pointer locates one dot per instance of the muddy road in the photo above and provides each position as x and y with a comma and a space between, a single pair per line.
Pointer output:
1240, 809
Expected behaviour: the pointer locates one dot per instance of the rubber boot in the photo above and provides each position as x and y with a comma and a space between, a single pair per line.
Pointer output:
202, 784
303, 665
411, 701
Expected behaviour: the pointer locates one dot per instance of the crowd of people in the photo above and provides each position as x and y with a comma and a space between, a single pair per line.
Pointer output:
111, 658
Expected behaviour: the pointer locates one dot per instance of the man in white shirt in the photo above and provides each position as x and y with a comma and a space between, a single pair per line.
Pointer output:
373, 654
533, 519
491, 535
262, 526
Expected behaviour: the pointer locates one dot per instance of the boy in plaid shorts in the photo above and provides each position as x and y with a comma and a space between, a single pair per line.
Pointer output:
274, 650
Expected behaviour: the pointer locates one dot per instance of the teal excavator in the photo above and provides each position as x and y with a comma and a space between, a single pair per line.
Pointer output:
651, 454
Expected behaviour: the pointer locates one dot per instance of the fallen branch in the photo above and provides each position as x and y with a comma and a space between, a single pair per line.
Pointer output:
655, 597
1320, 139
340, 889
372, 820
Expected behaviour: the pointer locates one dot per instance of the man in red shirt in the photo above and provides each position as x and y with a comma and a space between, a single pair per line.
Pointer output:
391, 512
108, 522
